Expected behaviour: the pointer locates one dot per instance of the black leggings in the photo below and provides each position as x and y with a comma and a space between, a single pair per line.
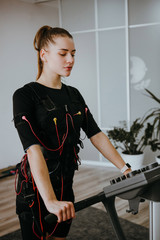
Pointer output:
26, 224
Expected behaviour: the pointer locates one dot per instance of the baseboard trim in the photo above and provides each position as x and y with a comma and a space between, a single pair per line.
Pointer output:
97, 163
6, 171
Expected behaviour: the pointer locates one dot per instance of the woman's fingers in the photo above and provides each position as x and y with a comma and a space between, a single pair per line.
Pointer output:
63, 210
60, 216
72, 211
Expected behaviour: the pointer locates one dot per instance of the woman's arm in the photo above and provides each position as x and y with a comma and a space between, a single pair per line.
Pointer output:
63, 210
104, 146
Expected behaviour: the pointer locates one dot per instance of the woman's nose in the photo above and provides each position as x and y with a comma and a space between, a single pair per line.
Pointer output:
70, 58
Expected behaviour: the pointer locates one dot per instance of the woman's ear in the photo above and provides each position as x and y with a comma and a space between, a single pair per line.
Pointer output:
43, 55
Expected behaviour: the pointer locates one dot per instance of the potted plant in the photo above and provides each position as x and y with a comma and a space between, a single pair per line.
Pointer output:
154, 116
142, 133
132, 142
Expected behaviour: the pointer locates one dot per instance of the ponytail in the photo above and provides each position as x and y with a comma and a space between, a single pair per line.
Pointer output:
43, 37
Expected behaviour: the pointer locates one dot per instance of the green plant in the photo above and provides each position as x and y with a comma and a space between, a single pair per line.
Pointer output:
133, 141
143, 132
154, 116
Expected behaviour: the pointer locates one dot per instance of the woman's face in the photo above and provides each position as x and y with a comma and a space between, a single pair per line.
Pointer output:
58, 58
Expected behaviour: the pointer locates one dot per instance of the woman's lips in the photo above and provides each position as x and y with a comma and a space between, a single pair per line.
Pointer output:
68, 68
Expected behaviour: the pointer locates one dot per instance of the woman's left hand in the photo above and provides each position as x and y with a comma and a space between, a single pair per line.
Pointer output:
127, 171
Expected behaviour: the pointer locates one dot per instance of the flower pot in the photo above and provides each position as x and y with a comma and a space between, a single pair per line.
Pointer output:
158, 159
136, 161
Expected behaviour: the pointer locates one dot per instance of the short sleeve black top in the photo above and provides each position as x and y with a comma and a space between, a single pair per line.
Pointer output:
54, 122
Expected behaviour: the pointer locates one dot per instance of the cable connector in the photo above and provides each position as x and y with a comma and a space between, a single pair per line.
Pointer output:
55, 121
24, 118
86, 109
78, 113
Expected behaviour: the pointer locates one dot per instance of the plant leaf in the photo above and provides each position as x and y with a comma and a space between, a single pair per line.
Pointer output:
153, 96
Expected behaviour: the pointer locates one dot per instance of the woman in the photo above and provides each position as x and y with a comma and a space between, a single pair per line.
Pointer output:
48, 116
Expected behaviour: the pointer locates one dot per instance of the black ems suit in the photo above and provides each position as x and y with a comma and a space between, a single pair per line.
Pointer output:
53, 119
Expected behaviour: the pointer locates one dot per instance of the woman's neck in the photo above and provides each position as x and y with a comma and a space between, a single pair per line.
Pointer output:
52, 82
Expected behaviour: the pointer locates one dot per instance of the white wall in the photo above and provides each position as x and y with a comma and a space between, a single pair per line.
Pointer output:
105, 45
118, 55
19, 22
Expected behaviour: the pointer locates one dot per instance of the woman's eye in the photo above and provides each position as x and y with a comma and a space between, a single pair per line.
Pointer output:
64, 54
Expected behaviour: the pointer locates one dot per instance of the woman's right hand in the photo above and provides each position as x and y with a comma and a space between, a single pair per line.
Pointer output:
62, 209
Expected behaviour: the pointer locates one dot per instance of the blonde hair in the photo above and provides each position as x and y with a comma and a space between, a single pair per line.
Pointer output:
43, 37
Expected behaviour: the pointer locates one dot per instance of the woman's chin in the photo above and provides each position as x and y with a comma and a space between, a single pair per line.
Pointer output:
67, 74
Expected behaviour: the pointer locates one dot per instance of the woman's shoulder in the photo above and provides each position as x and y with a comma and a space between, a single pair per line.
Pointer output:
72, 89
23, 92
76, 92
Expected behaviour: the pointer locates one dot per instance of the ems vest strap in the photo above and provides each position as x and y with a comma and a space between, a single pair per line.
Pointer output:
38, 92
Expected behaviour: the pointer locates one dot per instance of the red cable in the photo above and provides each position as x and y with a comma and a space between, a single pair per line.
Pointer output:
61, 188
34, 187
34, 231
24, 118
60, 148
53, 231
16, 184
39, 207
31, 204
75, 159
23, 173
59, 143
60, 200
71, 120
23, 166
75, 153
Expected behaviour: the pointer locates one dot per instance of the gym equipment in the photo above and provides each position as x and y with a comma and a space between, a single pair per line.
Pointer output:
135, 187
